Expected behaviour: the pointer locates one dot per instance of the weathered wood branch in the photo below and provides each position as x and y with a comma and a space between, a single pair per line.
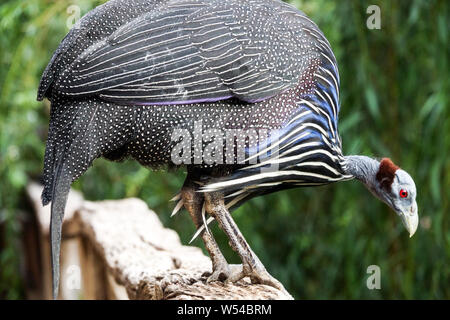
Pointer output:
124, 252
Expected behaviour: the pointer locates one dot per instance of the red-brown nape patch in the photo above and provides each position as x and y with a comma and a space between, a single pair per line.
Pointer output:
386, 173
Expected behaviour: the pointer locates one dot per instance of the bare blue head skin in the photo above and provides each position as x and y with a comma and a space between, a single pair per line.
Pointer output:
399, 193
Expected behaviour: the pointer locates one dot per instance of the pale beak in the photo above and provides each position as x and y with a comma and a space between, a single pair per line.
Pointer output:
410, 218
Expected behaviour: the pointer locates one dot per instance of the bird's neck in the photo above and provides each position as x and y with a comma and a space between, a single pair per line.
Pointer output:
362, 168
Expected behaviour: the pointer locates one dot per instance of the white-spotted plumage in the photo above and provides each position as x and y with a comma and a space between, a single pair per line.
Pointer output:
134, 71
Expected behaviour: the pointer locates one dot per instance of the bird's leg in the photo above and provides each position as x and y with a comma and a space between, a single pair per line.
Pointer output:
193, 202
252, 266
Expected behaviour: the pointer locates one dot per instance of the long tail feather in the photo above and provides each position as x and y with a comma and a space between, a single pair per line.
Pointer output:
59, 195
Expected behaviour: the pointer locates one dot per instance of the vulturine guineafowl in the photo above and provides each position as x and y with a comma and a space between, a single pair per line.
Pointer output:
242, 93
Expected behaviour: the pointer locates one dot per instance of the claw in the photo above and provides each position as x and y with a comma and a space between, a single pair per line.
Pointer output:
265, 278
205, 223
227, 273
176, 197
177, 207
201, 229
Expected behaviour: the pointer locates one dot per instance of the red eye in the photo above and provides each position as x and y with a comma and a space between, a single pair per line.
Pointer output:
403, 193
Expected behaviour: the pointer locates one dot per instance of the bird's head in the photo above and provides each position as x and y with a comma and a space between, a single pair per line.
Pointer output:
396, 188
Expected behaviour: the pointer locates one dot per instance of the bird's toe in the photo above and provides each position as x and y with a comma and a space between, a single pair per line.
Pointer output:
236, 273
227, 273
261, 276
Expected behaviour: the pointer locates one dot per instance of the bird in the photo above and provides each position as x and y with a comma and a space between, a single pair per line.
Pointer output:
241, 94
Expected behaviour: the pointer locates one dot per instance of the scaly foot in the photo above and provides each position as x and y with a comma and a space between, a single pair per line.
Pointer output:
261, 276
227, 273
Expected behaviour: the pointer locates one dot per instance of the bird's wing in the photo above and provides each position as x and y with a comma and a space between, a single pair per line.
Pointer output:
195, 51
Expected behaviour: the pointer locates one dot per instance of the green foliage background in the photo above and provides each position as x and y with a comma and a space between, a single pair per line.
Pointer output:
319, 241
